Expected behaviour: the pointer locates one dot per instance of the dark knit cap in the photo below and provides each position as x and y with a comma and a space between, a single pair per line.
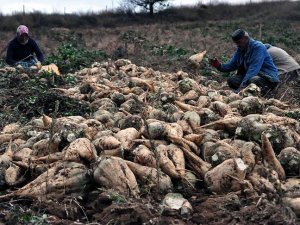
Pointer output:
238, 34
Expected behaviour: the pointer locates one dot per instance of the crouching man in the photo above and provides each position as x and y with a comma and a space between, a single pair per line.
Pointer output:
252, 63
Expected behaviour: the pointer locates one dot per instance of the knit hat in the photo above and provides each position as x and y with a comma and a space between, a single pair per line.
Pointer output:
22, 29
238, 34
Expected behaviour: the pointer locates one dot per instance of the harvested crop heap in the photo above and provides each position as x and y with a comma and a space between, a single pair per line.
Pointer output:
233, 157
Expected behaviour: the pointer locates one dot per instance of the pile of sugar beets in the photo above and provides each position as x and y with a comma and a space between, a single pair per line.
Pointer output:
149, 129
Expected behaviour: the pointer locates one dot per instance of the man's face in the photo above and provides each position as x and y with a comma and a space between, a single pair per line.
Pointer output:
23, 38
242, 43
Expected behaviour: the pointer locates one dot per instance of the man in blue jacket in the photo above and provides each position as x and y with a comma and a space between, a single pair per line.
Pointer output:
252, 62
23, 50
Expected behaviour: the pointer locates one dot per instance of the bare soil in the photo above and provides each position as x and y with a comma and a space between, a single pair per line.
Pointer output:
99, 208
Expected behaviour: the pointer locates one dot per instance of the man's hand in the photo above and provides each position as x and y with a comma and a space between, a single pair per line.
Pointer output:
215, 62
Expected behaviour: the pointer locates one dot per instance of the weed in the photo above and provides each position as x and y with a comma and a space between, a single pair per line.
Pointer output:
23, 216
72, 56
169, 50
34, 220
132, 37
2, 63
117, 198
33, 97
294, 114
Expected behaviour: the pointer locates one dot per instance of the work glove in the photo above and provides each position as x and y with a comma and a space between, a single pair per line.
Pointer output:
215, 62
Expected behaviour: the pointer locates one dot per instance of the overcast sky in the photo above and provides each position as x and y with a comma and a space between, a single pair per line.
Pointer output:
70, 6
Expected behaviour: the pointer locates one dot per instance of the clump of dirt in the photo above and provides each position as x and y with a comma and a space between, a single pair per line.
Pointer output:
105, 209
135, 213
231, 209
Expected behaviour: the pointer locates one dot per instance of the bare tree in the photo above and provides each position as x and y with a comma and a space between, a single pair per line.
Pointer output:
148, 5
125, 7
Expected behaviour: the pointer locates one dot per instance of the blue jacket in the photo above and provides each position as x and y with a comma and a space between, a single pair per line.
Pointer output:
16, 51
255, 59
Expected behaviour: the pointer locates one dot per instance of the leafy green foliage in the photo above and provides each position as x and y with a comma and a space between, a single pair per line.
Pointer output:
117, 198
2, 63
41, 99
34, 220
72, 56
294, 114
207, 70
168, 50
34, 96
24, 216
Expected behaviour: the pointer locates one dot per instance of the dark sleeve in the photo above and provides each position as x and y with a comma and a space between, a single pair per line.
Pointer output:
9, 54
38, 52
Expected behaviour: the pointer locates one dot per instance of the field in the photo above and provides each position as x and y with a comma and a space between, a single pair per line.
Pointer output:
87, 46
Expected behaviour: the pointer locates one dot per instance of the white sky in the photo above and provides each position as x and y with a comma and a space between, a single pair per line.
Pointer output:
70, 6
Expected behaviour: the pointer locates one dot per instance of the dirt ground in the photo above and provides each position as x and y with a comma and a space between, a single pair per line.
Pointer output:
99, 208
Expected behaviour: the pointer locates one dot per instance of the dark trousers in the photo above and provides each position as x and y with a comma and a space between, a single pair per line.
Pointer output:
260, 80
